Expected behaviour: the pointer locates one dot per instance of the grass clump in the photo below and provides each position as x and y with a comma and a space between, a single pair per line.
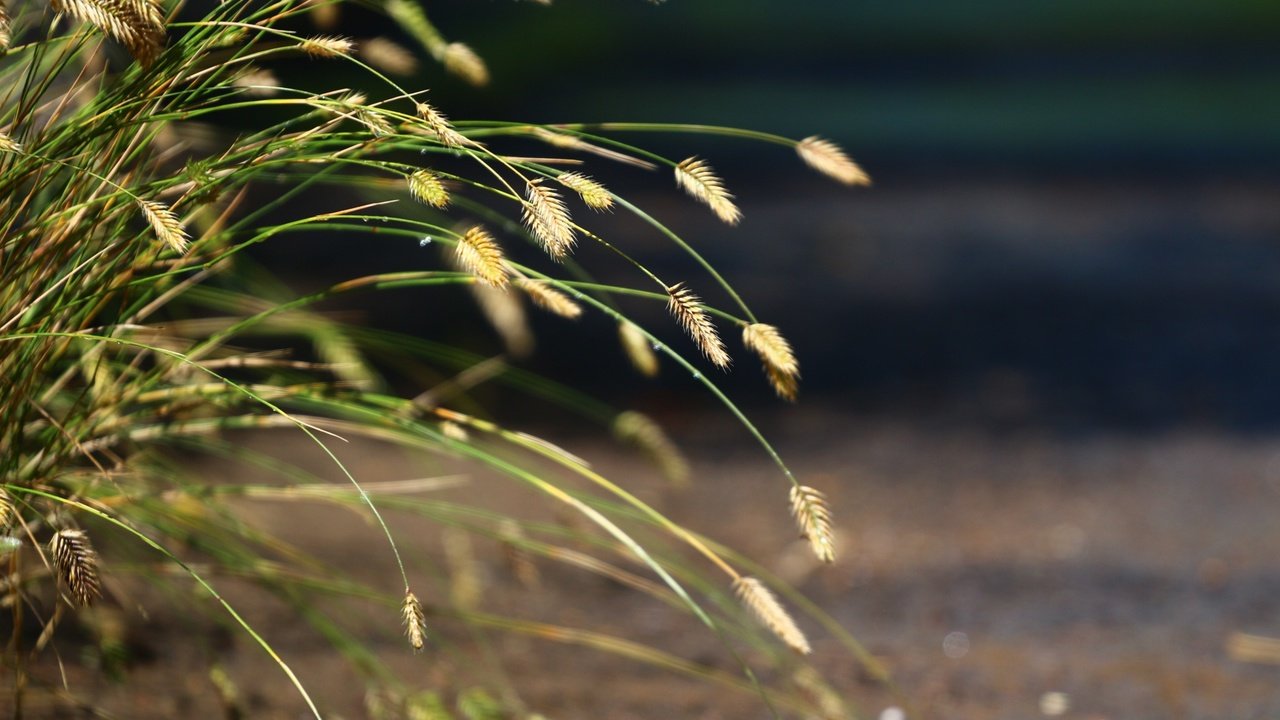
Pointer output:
137, 339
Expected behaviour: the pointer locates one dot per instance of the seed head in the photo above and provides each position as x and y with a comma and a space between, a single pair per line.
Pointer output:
813, 516
592, 192
550, 299
479, 254
827, 158
775, 352
165, 224
757, 599
136, 24
427, 187
388, 55
8, 144
688, 310
76, 564
640, 430
415, 620
637, 348
461, 60
548, 219
327, 46
697, 178
439, 126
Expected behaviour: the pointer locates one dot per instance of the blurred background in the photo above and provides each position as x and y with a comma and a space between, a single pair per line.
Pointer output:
1039, 354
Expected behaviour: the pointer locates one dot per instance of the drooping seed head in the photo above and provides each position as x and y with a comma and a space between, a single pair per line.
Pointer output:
415, 621
478, 253
5, 33
548, 219
427, 187
697, 179
640, 430
76, 564
638, 349
813, 516
592, 193
462, 61
327, 46
775, 352
829, 159
166, 226
550, 299
136, 24
688, 310
8, 144
761, 603
438, 123
388, 55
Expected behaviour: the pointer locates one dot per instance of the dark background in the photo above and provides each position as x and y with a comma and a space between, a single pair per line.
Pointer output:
1074, 221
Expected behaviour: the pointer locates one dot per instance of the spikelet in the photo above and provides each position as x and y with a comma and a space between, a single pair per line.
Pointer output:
165, 224
637, 348
8, 144
687, 308
813, 516
757, 599
388, 55
566, 141
439, 126
549, 298
827, 158
548, 219
478, 253
518, 559
6, 35
415, 620
697, 178
462, 61
136, 24
638, 429
505, 313
377, 125
6, 508
76, 564
327, 46
779, 361
592, 192
257, 82
427, 187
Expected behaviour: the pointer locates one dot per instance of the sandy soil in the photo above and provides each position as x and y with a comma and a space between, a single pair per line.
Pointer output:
986, 570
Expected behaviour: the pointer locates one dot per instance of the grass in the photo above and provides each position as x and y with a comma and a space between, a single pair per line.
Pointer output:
136, 336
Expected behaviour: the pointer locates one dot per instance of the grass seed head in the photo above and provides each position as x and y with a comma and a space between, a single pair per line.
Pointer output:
593, 193
327, 46
76, 564
640, 430
136, 24
696, 177
479, 254
775, 352
813, 516
548, 298
462, 61
427, 187
438, 124
165, 224
507, 316
548, 219
415, 620
8, 144
389, 56
829, 159
6, 34
688, 310
761, 603
638, 349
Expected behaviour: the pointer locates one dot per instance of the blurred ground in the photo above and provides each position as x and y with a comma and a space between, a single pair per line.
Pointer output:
985, 569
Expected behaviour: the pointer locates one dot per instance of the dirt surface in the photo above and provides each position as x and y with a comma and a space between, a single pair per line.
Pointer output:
987, 571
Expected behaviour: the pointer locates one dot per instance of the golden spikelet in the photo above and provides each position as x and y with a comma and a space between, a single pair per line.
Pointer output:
165, 224
76, 564
427, 187
6, 35
504, 312
136, 24
327, 46
548, 219
688, 310
813, 516
638, 429
6, 508
439, 126
573, 142
550, 299
638, 349
757, 599
8, 144
415, 620
376, 124
780, 363
388, 55
592, 192
829, 159
479, 254
697, 178
462, 61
